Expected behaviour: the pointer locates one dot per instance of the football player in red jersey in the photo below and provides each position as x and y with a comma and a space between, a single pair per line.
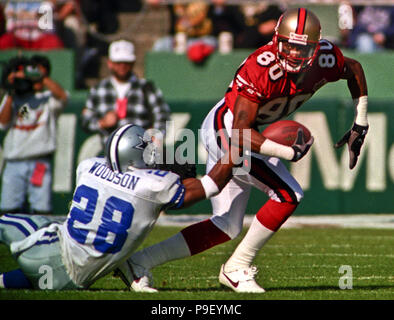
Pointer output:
270, 84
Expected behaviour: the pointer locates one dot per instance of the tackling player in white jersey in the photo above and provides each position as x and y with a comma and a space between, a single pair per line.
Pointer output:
115, 205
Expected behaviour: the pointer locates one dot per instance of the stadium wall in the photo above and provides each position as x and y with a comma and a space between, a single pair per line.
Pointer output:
191, 90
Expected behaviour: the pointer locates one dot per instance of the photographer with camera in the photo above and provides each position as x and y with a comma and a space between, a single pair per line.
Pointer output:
28, 112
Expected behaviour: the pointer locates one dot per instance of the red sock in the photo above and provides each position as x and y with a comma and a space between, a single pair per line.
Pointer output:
273, 214
203, 235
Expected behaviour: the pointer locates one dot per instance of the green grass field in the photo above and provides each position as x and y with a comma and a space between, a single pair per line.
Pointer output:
297, 264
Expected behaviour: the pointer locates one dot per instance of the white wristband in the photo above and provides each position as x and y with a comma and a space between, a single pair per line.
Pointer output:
274, 149
361, 106
210, 187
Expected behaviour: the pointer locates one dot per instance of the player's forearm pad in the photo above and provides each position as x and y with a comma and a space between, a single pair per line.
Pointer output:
361, 107
274, 149
210, 187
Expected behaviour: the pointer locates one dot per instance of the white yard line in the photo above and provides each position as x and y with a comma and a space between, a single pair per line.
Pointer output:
376, 221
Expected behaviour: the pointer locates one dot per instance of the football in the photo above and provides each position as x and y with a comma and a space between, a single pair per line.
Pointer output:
285, 132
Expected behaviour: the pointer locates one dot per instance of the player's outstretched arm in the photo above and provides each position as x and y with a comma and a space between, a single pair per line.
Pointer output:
356, 81
245, 113
213, 182
357, 84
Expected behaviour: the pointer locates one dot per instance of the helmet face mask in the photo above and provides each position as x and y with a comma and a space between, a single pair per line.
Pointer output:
130, 146
297, 36
295, 57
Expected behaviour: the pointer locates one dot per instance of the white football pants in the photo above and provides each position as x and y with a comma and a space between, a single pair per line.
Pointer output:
268, 174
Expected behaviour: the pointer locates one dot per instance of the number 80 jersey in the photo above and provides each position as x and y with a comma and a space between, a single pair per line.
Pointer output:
278, 93
111, 214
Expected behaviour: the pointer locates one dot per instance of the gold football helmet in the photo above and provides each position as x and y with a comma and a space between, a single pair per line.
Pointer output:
297, 36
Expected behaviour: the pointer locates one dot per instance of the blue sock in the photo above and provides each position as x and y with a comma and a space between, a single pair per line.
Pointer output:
16, 280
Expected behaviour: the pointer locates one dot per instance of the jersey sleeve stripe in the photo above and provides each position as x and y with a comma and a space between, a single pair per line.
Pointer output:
47, 241
243, 81
177, 200
17, 225
28, 220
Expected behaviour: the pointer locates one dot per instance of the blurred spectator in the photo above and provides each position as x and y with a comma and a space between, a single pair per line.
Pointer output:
30, 25
72, 29
228, 24
102, 14
69, 24
165, 43
130, 6
225, 17
28, 113
191, 20
100, 17
123, 98
373, 29
260, 21
2, 19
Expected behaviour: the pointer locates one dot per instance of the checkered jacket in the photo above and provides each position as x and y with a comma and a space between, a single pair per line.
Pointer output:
146, 106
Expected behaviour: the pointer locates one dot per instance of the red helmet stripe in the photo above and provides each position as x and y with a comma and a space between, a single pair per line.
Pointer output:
301, 21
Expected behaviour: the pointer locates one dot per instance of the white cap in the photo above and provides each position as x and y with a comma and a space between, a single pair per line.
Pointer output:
121, 51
